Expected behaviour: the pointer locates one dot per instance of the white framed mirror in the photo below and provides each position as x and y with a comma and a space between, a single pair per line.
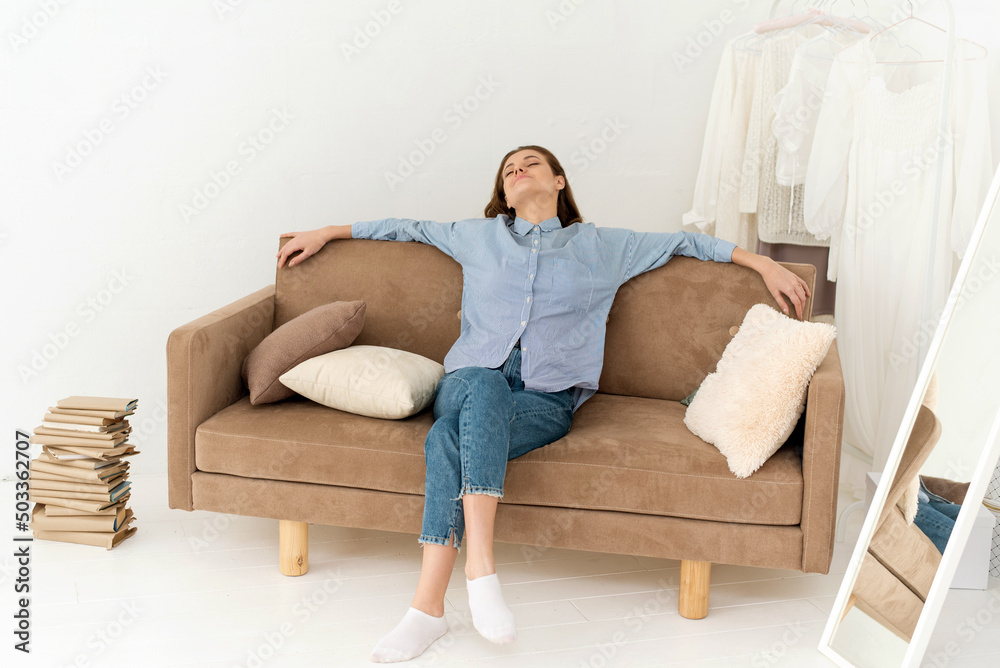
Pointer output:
898, 575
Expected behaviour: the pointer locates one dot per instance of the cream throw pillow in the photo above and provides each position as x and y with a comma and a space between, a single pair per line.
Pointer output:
749, 406
368, 380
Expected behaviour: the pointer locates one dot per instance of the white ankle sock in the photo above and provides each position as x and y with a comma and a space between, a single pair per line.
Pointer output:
410, 638
490, 615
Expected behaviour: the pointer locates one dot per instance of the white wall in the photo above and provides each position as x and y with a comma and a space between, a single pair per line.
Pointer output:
175, 90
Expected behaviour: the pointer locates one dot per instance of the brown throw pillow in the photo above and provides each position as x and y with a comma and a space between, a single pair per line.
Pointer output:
319, 331
949, 490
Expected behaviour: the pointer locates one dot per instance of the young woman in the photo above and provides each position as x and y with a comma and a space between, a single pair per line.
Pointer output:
538, 286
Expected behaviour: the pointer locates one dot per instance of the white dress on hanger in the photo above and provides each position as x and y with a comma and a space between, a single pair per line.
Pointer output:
715, 209
706, 187
870, 186
797, 104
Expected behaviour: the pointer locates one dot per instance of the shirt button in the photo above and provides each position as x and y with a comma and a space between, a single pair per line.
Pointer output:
531, 275
523, 323
529, 299
534, 250
536, 241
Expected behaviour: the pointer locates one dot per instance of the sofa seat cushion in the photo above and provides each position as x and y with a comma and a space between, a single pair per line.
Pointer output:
627, 454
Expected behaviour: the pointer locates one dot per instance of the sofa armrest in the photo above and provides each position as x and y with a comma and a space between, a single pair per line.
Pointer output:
821, 462
204, 375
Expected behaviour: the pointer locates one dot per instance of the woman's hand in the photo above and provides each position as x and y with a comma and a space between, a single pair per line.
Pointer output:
308, 242
781, 281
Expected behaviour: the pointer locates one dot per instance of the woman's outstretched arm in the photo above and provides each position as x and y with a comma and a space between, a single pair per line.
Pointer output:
310, 242
779, 280
443, 236
639, 252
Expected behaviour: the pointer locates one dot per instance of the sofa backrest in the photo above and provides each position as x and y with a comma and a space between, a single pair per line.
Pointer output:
666, 330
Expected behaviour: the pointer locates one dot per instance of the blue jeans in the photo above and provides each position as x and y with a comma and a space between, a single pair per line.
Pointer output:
935, 517
482, 418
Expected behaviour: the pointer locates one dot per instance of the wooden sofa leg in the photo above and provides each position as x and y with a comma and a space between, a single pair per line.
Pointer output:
695, 579
293, 547
851, 600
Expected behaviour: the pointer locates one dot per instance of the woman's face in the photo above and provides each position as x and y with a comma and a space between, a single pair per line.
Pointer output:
527, 177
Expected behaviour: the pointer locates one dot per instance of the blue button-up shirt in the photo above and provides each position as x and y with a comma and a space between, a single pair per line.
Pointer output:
550, 286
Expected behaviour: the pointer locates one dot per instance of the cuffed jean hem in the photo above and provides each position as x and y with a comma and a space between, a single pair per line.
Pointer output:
436, 540
474, 489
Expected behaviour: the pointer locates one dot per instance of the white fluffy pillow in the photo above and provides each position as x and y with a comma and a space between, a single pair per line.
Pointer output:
368, 380
749, 407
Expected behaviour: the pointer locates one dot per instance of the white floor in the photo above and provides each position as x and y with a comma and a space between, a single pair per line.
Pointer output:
203, 589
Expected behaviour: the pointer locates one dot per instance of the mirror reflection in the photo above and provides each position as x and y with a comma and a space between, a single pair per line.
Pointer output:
894, 574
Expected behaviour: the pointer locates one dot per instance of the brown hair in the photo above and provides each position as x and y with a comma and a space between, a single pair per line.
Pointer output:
565, 206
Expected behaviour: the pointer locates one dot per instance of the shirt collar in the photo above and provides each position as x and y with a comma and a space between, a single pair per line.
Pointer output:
522, 226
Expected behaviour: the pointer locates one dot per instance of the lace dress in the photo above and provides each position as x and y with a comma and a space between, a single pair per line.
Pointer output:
778, 208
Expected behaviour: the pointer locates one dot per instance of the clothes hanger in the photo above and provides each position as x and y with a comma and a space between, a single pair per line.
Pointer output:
743, 43
789, 21
835, 25
814, 15
780, 26
911, 17
852, 22
867, 20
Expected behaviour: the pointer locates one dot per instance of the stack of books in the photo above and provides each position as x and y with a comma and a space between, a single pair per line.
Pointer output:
79, 482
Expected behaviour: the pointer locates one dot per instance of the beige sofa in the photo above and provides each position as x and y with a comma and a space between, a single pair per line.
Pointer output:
628, 478
899, 567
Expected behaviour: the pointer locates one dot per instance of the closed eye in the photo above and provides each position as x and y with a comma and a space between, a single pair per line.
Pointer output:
512, 171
